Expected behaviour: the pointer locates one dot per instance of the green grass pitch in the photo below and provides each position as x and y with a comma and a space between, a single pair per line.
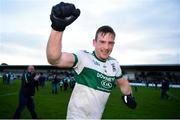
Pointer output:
49, 106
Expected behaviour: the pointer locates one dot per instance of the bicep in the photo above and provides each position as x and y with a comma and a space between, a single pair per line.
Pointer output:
66, 60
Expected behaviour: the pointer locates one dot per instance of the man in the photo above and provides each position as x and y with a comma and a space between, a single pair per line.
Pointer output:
165, 88
26, 93
42, 79
55, 82
97, 72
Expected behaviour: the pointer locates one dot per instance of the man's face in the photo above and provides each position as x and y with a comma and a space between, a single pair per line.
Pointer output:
30, 69
104, 45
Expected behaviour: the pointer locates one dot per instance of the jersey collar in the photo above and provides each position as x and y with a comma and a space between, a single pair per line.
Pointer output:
98, 58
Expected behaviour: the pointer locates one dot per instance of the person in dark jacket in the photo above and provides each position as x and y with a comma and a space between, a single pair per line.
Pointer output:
164, 89
55, 82
26, 93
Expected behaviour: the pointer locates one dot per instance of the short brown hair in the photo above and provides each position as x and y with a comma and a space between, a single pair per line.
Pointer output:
104, 30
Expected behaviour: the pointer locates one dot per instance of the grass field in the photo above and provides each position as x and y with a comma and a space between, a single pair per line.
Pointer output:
49, 106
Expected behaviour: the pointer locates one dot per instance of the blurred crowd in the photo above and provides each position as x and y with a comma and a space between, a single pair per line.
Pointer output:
156, 77
60, 79
64, 79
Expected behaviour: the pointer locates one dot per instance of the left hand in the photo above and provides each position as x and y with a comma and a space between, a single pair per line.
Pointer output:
129, 100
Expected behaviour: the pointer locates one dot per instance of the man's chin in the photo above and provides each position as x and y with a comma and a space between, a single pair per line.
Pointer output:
104, 58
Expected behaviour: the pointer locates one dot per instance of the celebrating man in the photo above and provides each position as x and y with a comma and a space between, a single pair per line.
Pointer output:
97, 72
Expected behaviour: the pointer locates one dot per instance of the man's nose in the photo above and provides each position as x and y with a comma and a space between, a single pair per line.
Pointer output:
106, 46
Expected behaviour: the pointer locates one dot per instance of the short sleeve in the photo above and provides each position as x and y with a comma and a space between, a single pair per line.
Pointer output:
79, 58
119, 71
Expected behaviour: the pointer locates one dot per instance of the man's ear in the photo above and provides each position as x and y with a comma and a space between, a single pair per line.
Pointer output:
94, 42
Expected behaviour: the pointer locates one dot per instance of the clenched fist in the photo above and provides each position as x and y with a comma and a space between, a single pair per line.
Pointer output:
62, 15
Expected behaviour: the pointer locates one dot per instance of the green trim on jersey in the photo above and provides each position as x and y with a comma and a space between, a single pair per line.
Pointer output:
98, 58
76, 60
96, 80
109, 58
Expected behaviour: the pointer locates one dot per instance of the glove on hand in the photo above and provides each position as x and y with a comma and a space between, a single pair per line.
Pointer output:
129, 100
62, 15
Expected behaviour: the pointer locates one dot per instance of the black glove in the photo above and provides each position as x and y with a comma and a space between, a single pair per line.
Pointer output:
129, 100
62, 15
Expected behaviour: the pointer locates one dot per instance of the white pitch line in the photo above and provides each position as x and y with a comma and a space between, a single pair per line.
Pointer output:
8, 94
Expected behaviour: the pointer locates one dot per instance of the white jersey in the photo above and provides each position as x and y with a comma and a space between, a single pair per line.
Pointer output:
94, 81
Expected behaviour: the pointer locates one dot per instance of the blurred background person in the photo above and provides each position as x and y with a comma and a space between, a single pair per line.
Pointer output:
26, 93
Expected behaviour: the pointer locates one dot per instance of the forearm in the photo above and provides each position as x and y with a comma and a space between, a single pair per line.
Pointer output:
126, 90
124, 86
127, 96
54, 47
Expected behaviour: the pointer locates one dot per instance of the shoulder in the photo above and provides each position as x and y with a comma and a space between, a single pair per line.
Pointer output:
82, 53
82, 57
113, 60
115, 65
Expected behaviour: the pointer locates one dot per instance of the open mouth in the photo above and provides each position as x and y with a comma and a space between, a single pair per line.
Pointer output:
105, 52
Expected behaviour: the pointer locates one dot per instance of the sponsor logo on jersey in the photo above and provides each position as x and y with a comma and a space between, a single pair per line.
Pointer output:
106, 84
109, 79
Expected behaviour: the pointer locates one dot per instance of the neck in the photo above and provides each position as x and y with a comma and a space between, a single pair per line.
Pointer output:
102, 60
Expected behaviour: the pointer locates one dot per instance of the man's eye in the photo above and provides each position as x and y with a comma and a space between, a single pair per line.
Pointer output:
112, 43
102, 42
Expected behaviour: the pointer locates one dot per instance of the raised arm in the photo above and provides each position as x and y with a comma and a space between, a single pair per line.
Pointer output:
62, 15
54, 54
